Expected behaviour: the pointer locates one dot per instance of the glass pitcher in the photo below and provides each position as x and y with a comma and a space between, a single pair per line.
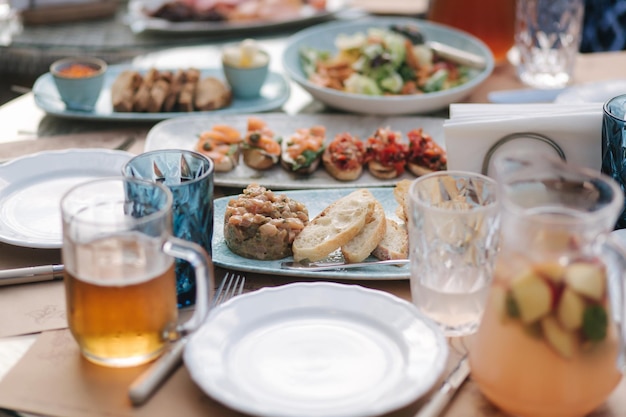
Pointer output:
549, 342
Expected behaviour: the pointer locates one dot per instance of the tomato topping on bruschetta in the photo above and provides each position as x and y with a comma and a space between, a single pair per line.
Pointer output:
302, 151
424, 155
261, 147
385, 153
343, 157
222, 144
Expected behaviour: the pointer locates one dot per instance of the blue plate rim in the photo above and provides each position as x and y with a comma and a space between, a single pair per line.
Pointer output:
238, 263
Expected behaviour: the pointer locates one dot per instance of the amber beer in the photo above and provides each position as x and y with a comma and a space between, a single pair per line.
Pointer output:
492, 21
121, 299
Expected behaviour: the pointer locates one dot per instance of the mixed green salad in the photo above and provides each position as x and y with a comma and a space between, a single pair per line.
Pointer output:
382, 62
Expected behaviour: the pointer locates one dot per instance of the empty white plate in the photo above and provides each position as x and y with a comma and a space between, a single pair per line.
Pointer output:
316, 349
31, 188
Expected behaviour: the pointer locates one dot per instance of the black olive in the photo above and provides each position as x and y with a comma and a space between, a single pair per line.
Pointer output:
411, 32
380, 59
206, 146
255, 137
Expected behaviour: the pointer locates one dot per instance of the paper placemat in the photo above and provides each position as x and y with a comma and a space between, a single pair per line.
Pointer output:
32, 308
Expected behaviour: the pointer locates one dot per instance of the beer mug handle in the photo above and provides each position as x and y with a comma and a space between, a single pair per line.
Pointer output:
205, 279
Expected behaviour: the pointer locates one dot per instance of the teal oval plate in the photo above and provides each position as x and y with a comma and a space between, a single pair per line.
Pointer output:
274, 94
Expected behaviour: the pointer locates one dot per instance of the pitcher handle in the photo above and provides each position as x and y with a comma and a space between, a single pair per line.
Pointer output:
616, 279
205, 279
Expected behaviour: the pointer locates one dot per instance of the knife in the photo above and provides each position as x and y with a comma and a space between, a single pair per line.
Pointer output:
324, 266
31, 274
457, 55
442, 397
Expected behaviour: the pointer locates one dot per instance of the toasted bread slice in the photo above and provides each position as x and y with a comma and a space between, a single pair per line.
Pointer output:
362, 245
381, 171
395, 243
334, 227
401, 194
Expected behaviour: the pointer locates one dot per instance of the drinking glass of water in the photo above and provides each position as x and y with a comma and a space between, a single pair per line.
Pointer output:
547, 37
453, 233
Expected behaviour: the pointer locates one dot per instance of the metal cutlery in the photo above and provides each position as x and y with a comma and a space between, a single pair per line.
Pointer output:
325, 266
449, 52
31, 274
444, 394
151, 379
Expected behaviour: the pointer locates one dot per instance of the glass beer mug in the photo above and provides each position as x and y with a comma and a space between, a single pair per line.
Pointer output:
492, 21
120, 284
549, 343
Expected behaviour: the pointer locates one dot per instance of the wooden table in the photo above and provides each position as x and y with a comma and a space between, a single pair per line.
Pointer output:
21, 120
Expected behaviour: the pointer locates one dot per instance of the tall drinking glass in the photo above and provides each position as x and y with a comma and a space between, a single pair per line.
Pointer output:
547, 37
614, 146
453, 234
189, 176
120, 285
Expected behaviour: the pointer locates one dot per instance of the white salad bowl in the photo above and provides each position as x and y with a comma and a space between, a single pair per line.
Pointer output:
323, 36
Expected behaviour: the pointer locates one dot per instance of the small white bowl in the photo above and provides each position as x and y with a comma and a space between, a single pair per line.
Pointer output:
323, 37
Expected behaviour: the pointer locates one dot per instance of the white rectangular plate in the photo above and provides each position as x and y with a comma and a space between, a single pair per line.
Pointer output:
183, 133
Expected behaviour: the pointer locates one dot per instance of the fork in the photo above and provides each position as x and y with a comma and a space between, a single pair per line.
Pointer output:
151, 379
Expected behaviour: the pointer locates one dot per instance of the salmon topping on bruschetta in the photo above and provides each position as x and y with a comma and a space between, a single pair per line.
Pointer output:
261, 148
259, 135
222, 144
302, 150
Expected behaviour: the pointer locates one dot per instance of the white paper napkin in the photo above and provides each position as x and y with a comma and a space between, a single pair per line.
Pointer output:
473, 129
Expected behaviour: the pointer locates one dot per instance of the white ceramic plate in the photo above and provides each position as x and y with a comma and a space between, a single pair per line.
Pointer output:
596, 92
183, 133
323, 37
315, 201
141, 22
316, 350
31, 188
274, 94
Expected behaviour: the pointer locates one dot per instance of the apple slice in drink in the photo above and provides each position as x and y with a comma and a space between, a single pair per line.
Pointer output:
550, 270
586, 279
561, 340
570, 310
532, 295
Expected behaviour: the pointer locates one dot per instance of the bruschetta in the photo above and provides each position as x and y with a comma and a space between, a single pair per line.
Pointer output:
385, 153
302, 151
261, 148
343, 157
424, 154
222, 144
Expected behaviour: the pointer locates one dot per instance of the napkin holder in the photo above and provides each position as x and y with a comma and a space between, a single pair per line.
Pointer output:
488, 158
476, 133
